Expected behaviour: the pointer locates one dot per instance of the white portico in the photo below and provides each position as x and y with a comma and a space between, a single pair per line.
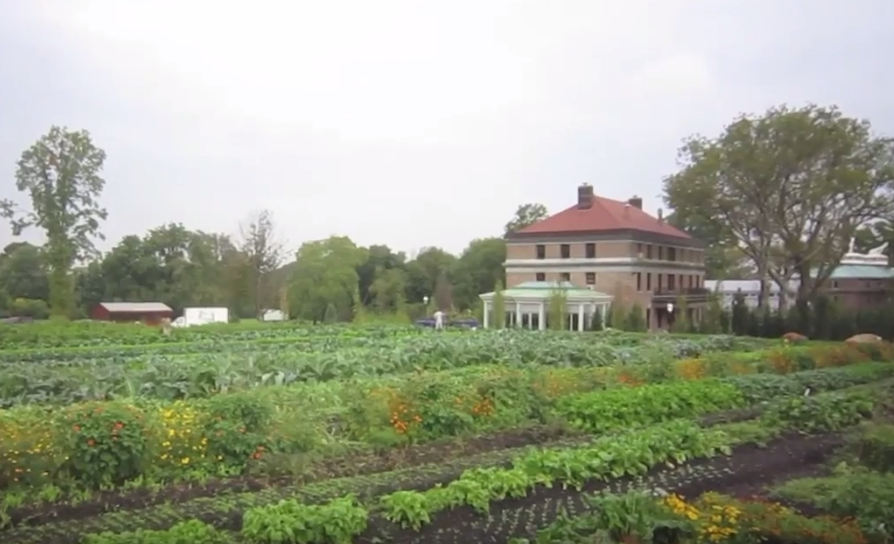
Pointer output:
527, 305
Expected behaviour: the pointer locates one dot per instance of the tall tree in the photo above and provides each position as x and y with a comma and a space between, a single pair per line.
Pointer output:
424, 270
788, 188
61, 174
526, 215
835, 175
325, 275
387, 291
22, 273
264, 252
380, 260
478, 270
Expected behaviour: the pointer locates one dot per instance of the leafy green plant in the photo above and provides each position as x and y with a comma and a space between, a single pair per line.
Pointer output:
291, 522
187, 532
409, 509
619, 408
631, 517
822, 413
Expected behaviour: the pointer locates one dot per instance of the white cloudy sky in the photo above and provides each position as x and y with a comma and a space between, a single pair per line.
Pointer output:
412, 123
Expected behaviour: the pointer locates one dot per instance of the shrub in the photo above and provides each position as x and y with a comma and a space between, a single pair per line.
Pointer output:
106, 442
237, 426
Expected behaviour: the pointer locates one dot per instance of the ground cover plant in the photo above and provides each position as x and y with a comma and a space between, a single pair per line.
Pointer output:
368, 434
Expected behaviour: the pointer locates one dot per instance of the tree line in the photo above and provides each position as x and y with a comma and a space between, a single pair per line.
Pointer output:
333, 279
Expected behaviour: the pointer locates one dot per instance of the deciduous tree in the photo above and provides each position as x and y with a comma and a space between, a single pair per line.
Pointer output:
61, 175
264, 251
22, 273
478, 270
789, 188
526, 215
325, 273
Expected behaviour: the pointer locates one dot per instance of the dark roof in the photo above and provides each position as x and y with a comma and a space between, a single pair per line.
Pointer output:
605, 214
135, 307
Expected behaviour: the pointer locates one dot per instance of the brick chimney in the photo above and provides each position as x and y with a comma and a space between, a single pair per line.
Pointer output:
636, 202
585, 197
660, 215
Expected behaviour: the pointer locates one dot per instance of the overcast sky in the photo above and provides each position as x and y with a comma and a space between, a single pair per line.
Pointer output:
412, 123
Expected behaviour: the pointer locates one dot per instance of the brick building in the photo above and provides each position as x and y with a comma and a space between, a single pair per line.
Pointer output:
615, 248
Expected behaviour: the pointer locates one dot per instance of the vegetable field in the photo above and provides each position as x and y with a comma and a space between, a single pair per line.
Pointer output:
293, 434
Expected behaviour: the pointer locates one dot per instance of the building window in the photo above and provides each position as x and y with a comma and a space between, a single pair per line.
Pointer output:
541, 251
659, 282
648, 281
591, 278
591, 251
671, 282
566, 251
639, 281
690, 281
649, 251
540, 276
660, 253
566, 276
639, 251
671, 254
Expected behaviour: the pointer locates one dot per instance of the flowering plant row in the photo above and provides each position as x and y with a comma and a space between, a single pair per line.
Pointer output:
98, 444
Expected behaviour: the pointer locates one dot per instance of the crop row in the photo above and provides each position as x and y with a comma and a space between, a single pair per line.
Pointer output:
342, 519
173, 377
569, 345
98, 444
643, 517
43, 335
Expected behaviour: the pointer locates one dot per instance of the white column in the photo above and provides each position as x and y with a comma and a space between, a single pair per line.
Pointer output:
580, 317
603, 311
518, 319
542, 320
486, 312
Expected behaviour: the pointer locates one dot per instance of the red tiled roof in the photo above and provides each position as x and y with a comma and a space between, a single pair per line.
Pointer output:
604, 215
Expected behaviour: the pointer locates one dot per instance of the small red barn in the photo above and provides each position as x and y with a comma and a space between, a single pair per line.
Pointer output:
150, 313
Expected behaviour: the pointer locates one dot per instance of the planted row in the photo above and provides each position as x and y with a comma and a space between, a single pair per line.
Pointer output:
341, 520
603, 411
207, 369
712, 518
